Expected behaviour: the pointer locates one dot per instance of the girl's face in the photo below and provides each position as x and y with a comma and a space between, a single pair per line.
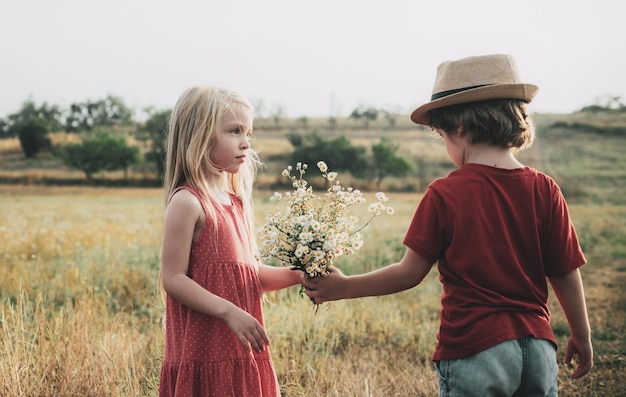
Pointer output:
233, 140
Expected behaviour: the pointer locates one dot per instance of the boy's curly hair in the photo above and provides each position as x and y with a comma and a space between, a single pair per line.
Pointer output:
499, 122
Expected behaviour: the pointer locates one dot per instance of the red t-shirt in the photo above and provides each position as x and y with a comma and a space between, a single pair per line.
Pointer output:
496, 234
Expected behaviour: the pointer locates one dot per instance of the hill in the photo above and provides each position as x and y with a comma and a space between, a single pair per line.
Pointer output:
584, 152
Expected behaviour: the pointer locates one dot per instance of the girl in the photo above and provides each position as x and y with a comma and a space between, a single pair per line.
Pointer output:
215, 341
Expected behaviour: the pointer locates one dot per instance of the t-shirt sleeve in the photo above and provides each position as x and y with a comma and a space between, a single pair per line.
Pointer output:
424, 235
562, 251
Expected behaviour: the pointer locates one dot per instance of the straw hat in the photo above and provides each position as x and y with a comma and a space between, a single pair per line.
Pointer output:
475, 79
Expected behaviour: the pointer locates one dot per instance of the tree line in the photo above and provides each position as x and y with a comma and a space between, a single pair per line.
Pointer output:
104, 129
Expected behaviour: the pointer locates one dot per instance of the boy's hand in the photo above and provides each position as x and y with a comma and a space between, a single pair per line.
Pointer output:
328, 288
584, 350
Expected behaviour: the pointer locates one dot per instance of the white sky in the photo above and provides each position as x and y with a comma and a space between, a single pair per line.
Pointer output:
313, 58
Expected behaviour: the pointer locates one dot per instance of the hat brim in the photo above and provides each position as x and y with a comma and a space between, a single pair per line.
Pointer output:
522, 91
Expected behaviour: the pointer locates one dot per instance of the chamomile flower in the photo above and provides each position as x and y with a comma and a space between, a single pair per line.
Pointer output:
309, 232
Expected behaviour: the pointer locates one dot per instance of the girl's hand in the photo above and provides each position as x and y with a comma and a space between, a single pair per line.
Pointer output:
247, 328
322, 289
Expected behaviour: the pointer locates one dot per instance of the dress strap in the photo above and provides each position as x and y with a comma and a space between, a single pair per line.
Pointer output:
195, 193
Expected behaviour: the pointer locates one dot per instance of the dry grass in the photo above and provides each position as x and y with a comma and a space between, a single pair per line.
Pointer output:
78, 273
80, 315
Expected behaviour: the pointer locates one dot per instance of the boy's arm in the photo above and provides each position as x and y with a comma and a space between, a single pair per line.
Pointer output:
569, 290
390, 279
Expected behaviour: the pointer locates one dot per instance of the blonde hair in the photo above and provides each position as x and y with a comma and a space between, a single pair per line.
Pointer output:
193, 130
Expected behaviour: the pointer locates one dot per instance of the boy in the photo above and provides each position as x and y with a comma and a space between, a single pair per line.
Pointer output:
496, 229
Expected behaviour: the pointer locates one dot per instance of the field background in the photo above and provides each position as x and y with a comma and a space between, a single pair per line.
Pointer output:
81, 314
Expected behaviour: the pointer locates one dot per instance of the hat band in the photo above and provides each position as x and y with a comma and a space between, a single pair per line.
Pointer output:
450, 92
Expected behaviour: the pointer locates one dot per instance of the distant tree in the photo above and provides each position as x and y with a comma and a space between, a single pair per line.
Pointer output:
391, 117
45, 115
615, 102
339, 154
387, 162
368, 114
334, 113
102, 151
84, 116
277, 113
33, 138
609, 103
304, 121
123, 156
356, 114
154, 133
295, 139
4, 128
332, 122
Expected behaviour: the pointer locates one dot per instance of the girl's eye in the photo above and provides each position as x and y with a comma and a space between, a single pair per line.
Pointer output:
235, 131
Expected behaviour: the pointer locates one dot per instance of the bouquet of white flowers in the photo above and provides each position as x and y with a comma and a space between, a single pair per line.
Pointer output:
313, 230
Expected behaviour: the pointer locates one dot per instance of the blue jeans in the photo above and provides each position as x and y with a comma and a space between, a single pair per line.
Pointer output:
519, 367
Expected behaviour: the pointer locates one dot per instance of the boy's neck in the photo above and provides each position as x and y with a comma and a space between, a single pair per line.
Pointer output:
492, 156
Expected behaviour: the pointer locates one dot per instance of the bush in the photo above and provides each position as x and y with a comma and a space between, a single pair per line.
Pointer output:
33, 138
387, 161
339, 154
154, 133
101, 152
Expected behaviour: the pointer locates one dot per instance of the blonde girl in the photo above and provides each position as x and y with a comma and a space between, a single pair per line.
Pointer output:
215, 339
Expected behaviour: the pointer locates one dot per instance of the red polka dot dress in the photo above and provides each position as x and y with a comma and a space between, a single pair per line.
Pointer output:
203, 357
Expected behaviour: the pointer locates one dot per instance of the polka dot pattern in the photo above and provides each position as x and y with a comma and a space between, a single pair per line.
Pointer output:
203, 357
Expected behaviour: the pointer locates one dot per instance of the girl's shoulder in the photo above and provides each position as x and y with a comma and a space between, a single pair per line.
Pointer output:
184, 200
184, 212
184, 194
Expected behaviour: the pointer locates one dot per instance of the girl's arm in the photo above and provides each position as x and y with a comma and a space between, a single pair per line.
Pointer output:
184, 212
390, 279
273, 278
569, 290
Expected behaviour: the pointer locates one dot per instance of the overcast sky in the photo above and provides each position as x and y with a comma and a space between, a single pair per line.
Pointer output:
313, 58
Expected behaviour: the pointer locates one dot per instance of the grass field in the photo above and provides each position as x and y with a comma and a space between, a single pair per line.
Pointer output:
81, 316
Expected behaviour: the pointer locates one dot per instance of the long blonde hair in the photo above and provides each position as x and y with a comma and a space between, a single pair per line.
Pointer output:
193, 129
